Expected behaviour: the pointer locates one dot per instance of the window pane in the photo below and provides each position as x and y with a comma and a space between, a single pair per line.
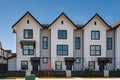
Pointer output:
25, 52
109, 43
97, 47
92, 47
62, 50
62, 34
95, 35
77, 42
28, 33
45, 42
95, 50
45, 60
25, 46
28, 49
31, 52
58, 65
77, 60
91, 64
31, 47
24, 65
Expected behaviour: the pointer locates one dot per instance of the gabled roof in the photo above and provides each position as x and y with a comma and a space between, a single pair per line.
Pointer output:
116, 25
100, 19
23, 17
59, 17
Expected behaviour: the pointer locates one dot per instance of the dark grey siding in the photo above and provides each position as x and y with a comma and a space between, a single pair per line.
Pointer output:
111, 53
78, 52
45, 52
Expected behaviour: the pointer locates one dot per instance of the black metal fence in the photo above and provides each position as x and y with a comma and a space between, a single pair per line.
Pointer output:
13, 74
114, 73
87, 74
60, 74
49, 73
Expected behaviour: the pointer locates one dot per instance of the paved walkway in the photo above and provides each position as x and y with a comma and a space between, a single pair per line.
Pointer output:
67, 79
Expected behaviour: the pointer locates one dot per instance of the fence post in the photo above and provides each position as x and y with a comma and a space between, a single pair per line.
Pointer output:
68, 73
106, 73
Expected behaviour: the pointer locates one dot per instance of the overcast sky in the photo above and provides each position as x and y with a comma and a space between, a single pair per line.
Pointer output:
45, 11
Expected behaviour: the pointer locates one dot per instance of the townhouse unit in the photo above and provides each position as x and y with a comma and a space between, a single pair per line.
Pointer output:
7, 60
63, 45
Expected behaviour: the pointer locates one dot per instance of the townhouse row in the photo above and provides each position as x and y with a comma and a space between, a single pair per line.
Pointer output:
63, 45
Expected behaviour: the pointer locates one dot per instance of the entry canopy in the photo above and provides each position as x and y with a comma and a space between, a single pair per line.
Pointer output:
103, 60
30, 42
69, 60
35, 58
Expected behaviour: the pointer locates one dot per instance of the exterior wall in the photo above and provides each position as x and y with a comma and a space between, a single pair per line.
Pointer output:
12, 64
78, 52
55, 41
19, 36
117, 47
111, 53
87, 41
45, 52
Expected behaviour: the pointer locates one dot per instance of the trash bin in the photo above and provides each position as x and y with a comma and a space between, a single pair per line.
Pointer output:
30, 77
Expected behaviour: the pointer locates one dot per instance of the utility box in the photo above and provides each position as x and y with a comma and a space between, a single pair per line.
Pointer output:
30, 77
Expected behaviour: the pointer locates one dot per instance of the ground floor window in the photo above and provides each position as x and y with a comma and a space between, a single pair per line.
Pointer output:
58, 65
24, 65
91, 65
77, 60
45, 60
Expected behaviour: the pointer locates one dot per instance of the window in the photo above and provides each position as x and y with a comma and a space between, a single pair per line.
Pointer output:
109, 43
58, 65
61, 22
91, 65
95, 35
45, 42
109, 60
95, 22
95, 50
27, 21
28, 33
28, 49
77, 42
45, 60
62, 34
24, 65
77, 60
62, 50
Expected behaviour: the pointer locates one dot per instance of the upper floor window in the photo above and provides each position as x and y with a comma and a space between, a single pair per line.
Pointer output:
45, 42
109, 43
95, 35
95, 50
28, 33
77, 42
61, 22
58, 65
28, 49
62, 34
95, 22
62, 50
24, 65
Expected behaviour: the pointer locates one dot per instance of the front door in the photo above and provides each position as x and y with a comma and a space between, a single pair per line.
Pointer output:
35, 66
69, 66
101, 66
